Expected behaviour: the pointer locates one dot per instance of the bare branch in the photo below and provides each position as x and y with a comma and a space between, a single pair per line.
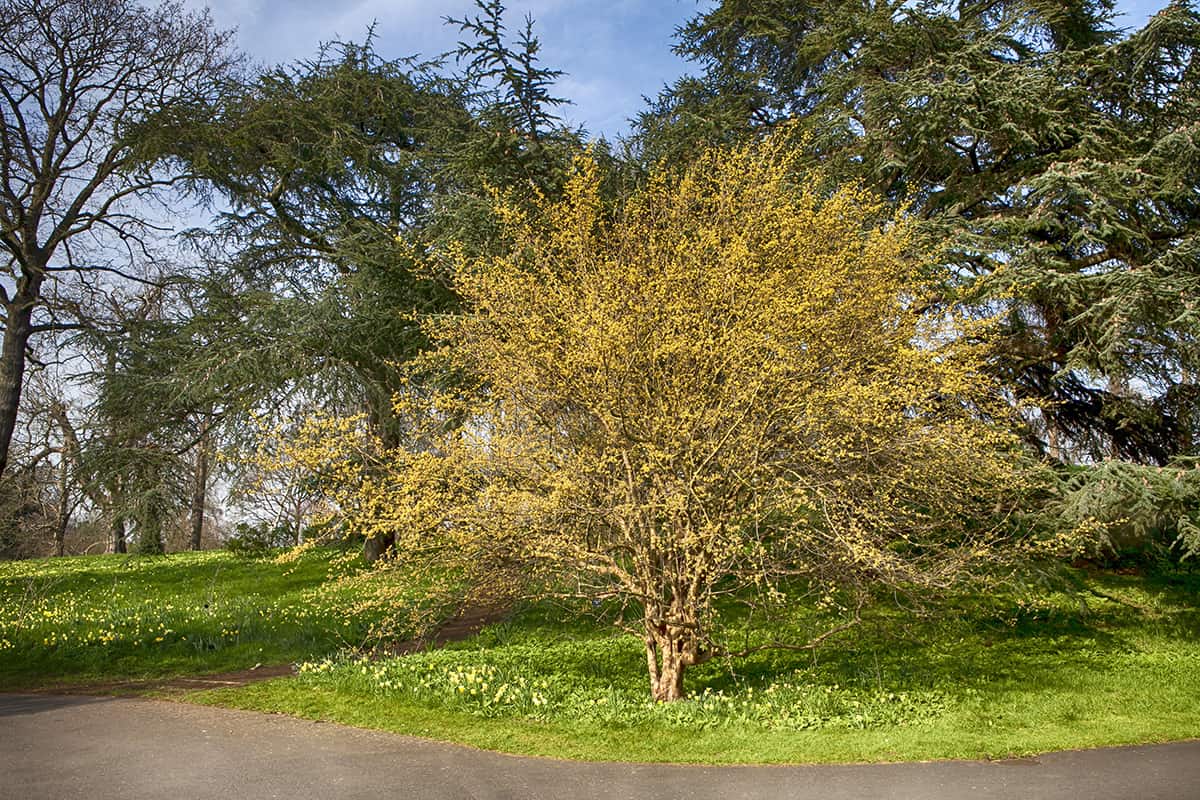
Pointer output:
138, 279
811, 644
81, 82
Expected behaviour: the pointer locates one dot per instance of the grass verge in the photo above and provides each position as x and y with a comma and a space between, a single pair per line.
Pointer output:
985, 678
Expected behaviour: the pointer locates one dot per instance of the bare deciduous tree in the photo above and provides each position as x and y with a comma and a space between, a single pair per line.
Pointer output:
89, 90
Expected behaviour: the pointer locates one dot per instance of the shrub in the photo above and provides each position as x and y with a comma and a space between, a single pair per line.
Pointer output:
256, 541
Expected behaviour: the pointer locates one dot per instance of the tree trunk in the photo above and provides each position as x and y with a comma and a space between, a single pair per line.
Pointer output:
297, 522
64, 506
118, 535
199, 490
672, 645
17, 330
382, 420
666, 671
375, 547
1053, 449
1118, 388
60, 537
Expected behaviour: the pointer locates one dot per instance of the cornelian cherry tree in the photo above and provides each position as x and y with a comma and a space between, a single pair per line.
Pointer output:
730, 386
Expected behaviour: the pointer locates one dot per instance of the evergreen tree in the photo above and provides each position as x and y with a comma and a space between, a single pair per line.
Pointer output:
340, 176
1055, 156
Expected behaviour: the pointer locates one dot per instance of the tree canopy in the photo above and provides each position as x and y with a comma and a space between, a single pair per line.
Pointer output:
1054, 155
88, 90
337, 174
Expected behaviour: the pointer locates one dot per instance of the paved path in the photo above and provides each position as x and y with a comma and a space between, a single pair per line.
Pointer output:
57, 747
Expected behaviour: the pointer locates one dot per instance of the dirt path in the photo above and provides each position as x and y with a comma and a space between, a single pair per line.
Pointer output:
57, 748
465, 624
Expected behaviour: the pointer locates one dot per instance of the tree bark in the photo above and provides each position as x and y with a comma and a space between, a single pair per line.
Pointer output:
382, 419
199, 490
64, 506
375, 547
666, 671
672, 645
17, 330
297, 522
118, 535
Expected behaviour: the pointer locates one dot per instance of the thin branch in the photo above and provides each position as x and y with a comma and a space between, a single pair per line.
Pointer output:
158, 284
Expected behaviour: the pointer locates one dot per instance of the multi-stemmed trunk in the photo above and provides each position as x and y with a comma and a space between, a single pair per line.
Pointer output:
673, 644
666, 671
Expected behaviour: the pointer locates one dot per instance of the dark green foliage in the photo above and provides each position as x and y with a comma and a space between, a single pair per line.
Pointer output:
519, 90
1117, 508
519, 145
132, 461
324, 165
342, 175
1054, 157
257, 541
340, 181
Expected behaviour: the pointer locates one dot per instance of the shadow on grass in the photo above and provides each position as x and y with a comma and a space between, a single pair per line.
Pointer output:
995, 644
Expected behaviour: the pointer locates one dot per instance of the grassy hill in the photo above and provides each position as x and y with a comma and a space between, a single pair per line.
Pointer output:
91, 618
1115, 662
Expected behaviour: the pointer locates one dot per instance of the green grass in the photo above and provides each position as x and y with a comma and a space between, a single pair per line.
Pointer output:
983, 677
103, 618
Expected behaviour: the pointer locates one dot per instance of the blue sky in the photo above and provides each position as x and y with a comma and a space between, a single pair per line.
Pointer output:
614, 51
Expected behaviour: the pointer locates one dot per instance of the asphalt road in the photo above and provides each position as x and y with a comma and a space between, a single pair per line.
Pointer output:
56, 748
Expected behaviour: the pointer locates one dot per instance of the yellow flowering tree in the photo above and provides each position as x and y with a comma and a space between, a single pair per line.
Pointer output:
731, 386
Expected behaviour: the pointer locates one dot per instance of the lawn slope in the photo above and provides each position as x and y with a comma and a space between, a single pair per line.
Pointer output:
101, 618
1117, 661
